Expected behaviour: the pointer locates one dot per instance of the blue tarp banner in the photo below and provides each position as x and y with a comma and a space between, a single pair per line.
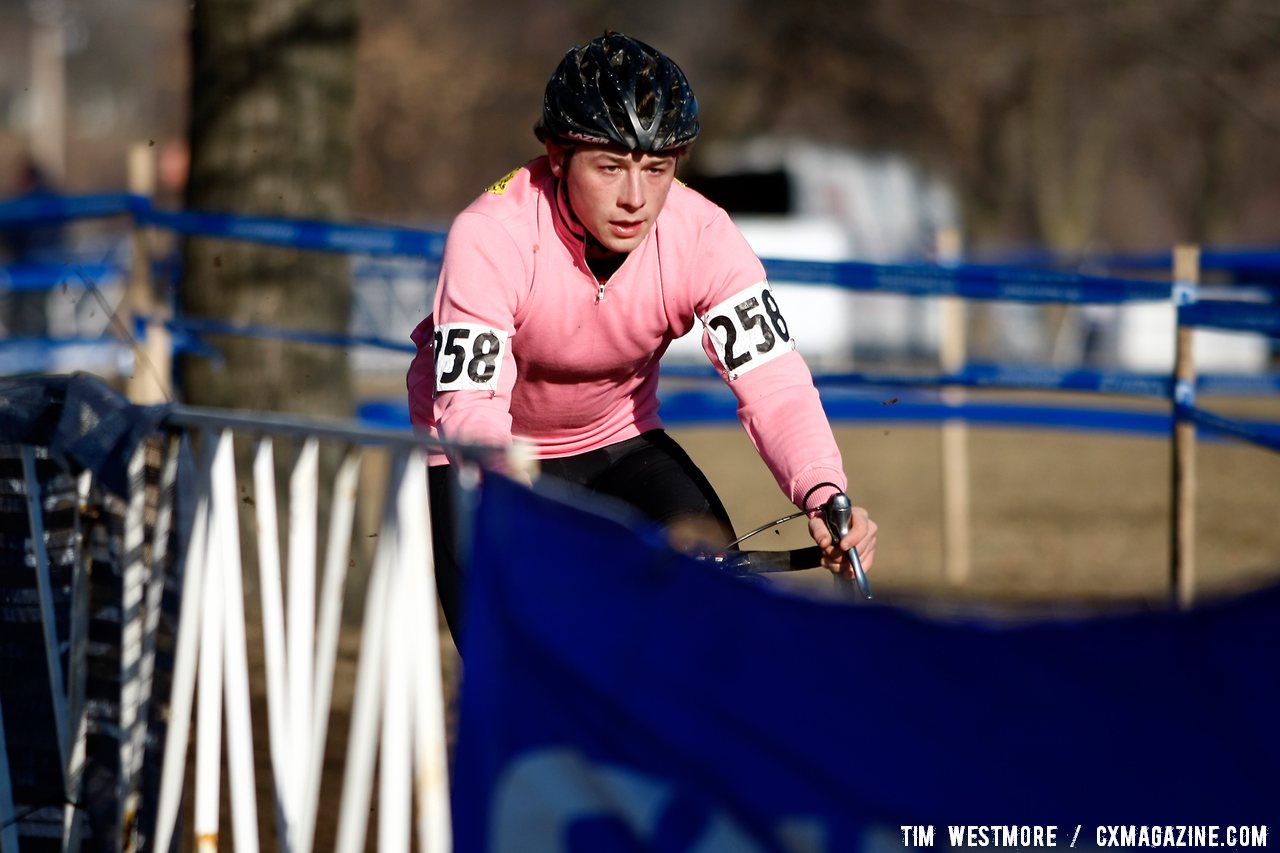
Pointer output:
618, 696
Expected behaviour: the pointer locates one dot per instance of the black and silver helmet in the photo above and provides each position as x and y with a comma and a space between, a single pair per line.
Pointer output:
616, 90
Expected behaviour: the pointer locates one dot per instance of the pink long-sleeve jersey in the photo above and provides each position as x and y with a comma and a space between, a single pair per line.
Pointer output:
524, 341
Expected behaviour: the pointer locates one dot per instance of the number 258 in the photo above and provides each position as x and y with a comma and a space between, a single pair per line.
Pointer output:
481, 363
775, 323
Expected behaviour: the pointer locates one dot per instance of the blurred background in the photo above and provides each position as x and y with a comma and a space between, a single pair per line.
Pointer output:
1070, 124
1050, 133
1036, 129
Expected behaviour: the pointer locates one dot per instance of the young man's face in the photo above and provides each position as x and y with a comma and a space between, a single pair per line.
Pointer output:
615, 194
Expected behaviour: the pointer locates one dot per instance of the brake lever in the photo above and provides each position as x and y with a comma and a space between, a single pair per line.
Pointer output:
838, 513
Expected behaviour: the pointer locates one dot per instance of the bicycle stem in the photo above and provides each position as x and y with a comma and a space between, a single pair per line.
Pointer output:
838, 514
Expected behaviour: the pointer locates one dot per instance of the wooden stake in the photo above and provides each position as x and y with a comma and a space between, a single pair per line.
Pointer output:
49, 89
1182, 552
952, 354
150, 382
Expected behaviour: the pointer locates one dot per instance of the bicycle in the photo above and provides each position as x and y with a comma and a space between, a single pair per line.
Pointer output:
837, 512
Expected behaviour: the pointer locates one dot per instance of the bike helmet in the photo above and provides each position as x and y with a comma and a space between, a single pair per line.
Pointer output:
616, 90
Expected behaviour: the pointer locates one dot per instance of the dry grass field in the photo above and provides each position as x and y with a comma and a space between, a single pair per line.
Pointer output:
1055, 515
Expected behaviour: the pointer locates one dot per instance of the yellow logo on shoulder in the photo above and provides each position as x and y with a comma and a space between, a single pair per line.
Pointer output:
500, 186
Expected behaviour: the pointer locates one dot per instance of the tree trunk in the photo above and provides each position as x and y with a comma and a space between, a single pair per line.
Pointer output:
272, 103
273, 85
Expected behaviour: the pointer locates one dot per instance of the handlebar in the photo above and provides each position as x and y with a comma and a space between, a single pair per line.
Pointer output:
838, 513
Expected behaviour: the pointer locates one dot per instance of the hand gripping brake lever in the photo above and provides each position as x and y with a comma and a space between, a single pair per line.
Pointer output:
839, 512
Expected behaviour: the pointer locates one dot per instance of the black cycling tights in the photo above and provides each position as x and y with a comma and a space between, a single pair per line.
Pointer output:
650, 472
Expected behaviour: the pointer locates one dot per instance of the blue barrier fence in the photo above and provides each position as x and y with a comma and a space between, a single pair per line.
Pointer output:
46, 207
301, 234
38, 277
1243, 261
1240, 263
392, 240
1232, 316
1030, 377
967, 281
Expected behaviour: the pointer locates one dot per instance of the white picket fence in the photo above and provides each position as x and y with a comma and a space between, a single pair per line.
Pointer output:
397, 716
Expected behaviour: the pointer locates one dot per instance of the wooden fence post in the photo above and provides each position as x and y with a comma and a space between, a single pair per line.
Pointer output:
1182, 552
150, 380
952, 355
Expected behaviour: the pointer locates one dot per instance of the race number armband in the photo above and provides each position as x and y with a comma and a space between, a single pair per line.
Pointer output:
748, 330
468, 357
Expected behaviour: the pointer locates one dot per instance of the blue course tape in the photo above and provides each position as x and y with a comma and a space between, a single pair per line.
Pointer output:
388, 414
1239, 384
32, 278
1025, 377
1031, 377
1262, 318
1043, 377
1263, 434
44, 207
303, 234
296, 233
196, 326
980, 281
699, 407
980, 375
1246, 261
972, 281
1243, 260
692, 407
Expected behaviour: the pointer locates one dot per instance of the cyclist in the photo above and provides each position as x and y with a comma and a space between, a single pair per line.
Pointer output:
565, 282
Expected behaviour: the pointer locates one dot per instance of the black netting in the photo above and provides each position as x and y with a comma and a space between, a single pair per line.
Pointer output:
76, 424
